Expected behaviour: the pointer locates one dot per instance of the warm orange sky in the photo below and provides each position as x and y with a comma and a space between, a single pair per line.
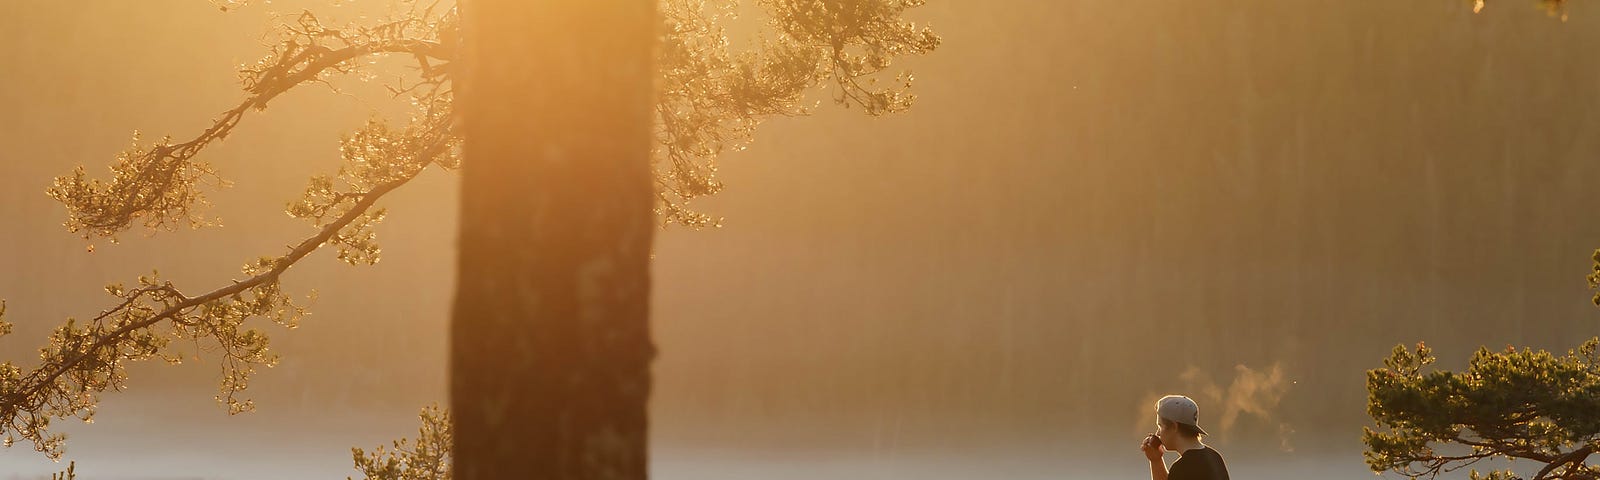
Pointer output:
1234, 182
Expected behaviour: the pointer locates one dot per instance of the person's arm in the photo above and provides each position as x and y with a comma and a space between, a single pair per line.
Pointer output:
1158, 470
1152, 452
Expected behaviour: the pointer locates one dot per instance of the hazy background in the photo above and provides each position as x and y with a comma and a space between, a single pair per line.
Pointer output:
1093, 203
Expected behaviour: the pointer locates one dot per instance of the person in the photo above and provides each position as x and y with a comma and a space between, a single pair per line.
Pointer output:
1178, 430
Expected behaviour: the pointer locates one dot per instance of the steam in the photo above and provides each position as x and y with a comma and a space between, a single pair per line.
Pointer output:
1251, 393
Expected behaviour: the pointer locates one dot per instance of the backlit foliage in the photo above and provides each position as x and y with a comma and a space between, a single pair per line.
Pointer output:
710, 100
427, 458
1594, 277
713, 96
68, 474
1513, 404
1552, 7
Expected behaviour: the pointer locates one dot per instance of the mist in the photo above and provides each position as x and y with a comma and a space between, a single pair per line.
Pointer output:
1092, 204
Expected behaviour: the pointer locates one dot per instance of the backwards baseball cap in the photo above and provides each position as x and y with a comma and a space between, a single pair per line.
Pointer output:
1181, 409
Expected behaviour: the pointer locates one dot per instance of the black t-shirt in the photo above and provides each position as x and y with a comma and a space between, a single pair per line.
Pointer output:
1198, 464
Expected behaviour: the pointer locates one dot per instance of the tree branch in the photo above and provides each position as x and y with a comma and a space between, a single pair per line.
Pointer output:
161, 166
27, 398
1573, 457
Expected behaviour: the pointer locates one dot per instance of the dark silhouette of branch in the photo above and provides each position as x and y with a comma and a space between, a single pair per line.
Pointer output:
1574, 457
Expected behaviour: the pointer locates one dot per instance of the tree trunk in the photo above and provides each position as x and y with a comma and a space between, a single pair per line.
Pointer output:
549, 344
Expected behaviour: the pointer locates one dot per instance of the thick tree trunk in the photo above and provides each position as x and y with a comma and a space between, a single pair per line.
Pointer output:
550, 347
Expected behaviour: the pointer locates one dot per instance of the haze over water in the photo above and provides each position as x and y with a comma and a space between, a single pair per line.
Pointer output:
1267, 195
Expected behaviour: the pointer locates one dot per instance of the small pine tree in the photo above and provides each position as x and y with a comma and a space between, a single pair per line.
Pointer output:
1513, 404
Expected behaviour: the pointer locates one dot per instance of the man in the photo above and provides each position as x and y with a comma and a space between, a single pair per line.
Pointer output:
1178, 430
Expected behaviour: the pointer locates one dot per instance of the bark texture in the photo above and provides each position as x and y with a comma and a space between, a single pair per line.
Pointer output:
550, 346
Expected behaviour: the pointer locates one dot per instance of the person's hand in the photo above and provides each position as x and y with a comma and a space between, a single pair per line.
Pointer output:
1152, 448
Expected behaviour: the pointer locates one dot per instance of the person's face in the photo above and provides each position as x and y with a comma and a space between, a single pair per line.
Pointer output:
1168, 432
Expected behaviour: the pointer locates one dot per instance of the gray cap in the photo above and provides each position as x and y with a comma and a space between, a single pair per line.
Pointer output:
1181, 409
